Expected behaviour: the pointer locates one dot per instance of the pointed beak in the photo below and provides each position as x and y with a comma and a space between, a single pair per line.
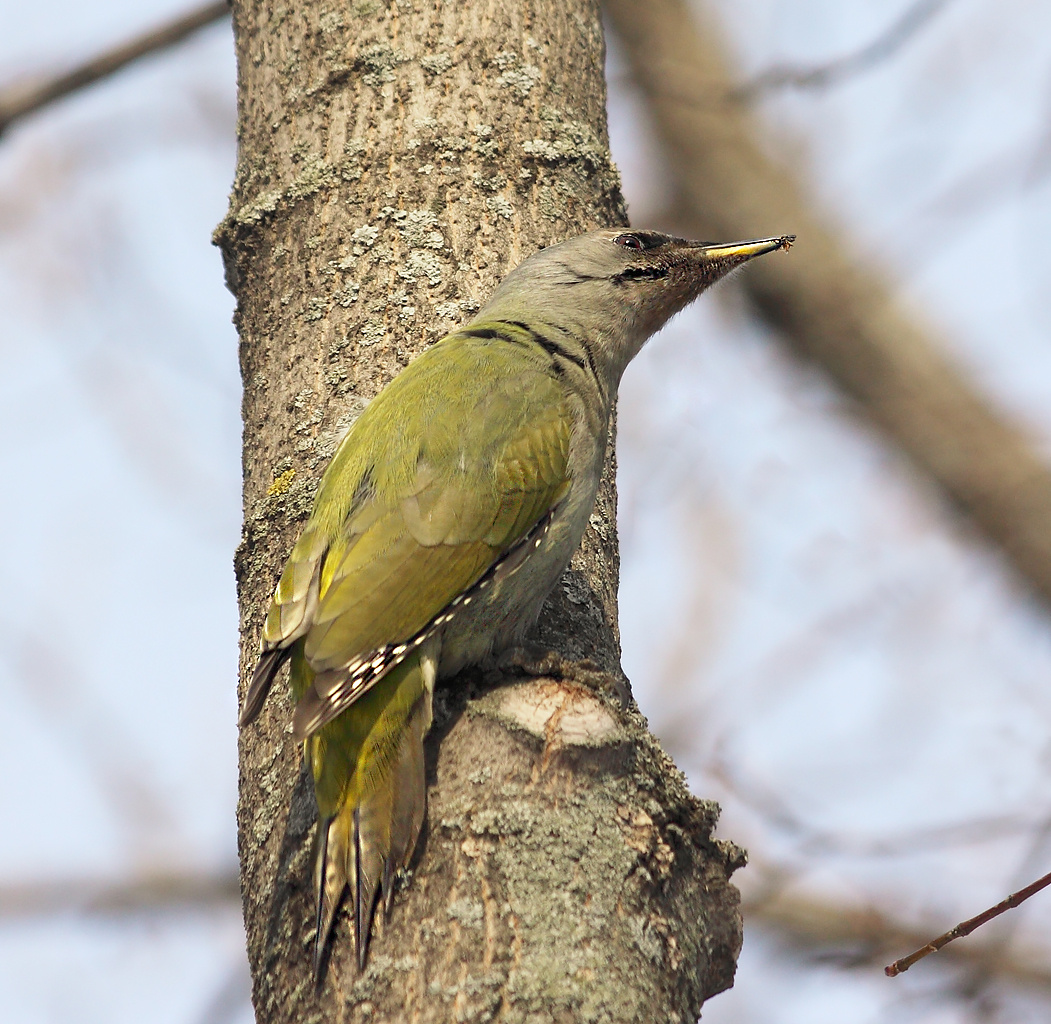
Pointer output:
738, 252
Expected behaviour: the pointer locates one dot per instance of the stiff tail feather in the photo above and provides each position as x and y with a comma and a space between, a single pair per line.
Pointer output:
371, 834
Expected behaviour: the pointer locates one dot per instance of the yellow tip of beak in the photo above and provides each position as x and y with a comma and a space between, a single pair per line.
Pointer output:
746, 250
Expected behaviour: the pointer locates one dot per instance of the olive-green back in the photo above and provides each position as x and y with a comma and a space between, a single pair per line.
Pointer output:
451, 465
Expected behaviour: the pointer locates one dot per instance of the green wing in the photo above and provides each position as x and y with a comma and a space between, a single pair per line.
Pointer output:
447, 471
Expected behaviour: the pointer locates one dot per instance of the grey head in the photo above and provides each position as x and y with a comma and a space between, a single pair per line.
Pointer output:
611, 289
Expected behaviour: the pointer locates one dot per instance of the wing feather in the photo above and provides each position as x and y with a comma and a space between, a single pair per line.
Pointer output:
424, 497
335, 690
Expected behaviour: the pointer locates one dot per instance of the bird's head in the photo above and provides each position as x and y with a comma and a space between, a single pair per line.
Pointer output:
616, 287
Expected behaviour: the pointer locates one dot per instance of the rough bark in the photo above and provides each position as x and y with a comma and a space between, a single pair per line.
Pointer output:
831, 305
396, 159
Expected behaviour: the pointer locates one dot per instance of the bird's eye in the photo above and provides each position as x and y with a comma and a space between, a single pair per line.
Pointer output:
629, 241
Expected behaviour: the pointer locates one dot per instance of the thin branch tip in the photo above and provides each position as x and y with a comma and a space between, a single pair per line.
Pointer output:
968, 926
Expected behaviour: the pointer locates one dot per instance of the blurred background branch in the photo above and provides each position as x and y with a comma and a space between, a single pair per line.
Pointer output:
153, 893
866, 936
835, 306
871, 55
17, 99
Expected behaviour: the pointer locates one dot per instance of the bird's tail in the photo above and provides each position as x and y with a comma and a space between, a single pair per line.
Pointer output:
369, 777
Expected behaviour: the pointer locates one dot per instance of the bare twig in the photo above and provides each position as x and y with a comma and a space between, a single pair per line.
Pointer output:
820, 76
19, 99
968, 926
863, 935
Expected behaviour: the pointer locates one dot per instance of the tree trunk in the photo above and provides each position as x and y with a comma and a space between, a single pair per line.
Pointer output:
396, 160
